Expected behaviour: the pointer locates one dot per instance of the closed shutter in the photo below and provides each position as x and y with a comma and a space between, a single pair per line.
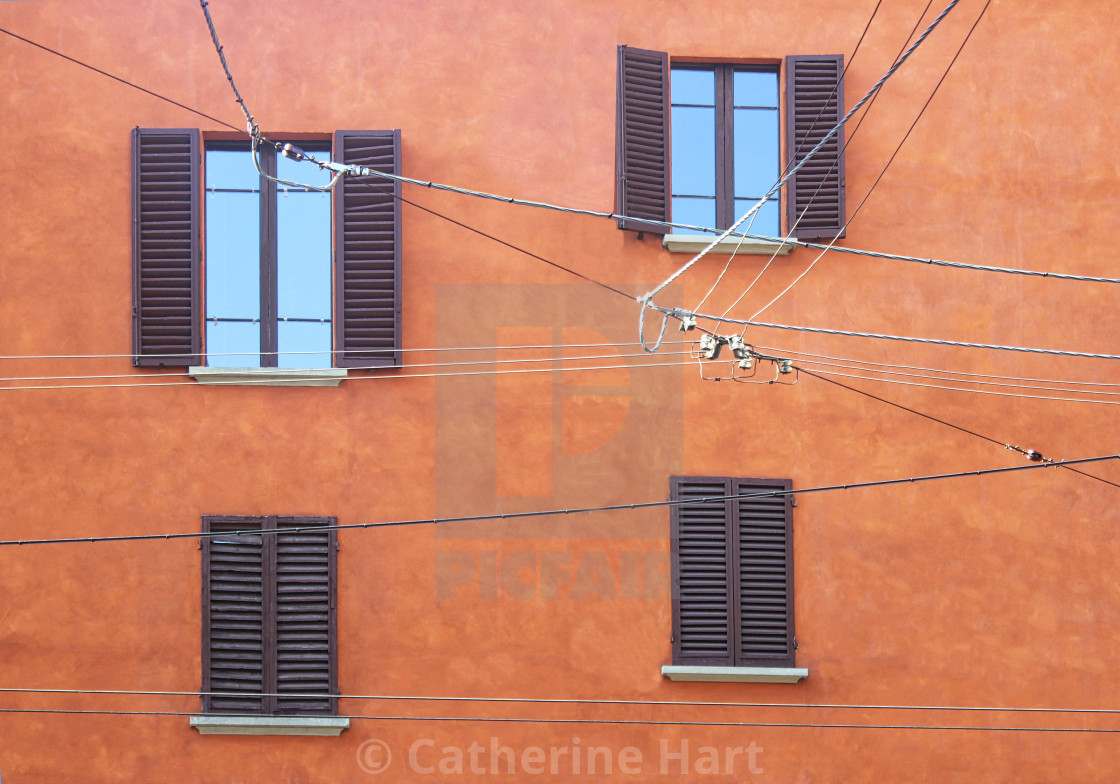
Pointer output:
165, 247
368, 252
814, 105
642, 154
233, 616
765, 559
703, 582
305, 660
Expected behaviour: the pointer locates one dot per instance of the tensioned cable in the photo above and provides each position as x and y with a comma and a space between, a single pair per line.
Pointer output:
890, 160
850, 362
1025, 452
677, 312
267, 381
974, 391
558, 512
1032, 387
225, 67
340, 351
557, 359
808, 156
596, 213
820, 185
639, 722
573, 701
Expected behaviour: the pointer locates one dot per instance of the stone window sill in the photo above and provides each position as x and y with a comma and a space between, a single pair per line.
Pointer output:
268, 377
269, 725
694, 243
734, 674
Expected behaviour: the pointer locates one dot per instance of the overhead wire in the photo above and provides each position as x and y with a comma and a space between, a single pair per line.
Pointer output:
577, 701
832, 167
1029, 453
597, 213
647, 298
198, 535
631, 722
890, 160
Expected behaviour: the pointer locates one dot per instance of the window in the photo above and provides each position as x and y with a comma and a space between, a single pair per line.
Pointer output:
732, 564
268, 617
286, 269
700, 144
268, 260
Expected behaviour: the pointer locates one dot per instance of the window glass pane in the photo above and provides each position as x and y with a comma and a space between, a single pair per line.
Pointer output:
303, 249
756, 151
232, 235
302, 336
756, 88
766, 222
240, 339
695, 212
687, 85
694, 151
231, 170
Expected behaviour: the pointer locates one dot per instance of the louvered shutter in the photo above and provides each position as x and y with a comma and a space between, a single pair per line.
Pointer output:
642, 154
234, 626
814, 105
703, 580
765, 571
165, 247
305, 647
368, 252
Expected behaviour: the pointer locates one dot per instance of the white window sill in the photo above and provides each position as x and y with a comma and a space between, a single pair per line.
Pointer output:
694, 243
269, 725
734, 674
268, 377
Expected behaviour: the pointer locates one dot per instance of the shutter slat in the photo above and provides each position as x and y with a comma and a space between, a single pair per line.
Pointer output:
369, 250
815, 103
642, 157
165, 246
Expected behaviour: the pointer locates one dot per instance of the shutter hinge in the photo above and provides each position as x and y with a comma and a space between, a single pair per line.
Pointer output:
795, 643
337, 545
794, 500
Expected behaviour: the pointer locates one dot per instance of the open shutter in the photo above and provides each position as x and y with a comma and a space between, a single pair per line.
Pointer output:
814, 105
305, 619
642, 154
368, 252
234, 629
703, 580
765, 558
165, 247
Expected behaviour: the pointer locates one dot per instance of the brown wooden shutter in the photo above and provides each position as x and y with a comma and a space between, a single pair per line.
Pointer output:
368, 252
814, 105
234, 624
703, 580
642, 154
305, 617
765, 558
165, 247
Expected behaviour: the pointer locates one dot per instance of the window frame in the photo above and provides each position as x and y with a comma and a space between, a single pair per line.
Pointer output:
697, 628
270, 604
269, 279
724, 121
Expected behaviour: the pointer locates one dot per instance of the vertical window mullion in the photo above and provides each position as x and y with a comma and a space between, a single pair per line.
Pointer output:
725, 146
268, 263
268, 550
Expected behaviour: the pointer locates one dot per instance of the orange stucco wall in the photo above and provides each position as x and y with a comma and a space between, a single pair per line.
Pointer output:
996, 591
